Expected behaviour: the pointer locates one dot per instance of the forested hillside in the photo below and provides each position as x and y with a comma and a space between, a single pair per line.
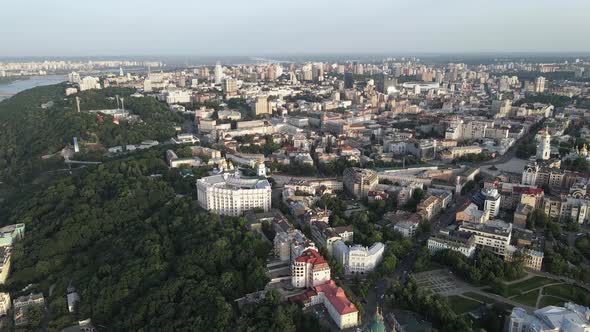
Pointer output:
28, 132
139, 255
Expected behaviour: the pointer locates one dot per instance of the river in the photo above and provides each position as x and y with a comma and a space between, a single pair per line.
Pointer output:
11, 88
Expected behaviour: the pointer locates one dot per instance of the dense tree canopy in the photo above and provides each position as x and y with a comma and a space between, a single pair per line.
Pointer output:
139, 255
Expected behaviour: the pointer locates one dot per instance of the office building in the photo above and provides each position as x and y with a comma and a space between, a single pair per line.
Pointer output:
348, 80
232, 195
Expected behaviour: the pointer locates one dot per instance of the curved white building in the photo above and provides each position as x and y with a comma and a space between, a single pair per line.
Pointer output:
231, 195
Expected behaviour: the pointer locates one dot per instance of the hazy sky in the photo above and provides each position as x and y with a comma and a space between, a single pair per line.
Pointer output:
251, 27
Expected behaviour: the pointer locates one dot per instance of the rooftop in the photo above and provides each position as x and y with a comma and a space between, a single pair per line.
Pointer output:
337, 298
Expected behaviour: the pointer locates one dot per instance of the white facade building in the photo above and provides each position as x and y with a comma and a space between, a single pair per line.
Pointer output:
457, 241
231, 195
569, 318
494, 235
544, 147
358, 259
491, 203
89, 83
4, 303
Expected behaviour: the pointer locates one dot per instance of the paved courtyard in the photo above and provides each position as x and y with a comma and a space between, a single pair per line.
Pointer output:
439, 282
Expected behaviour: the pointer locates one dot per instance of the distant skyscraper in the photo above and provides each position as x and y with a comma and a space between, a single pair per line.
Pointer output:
121, 71
218, 73
348, 80
540, 84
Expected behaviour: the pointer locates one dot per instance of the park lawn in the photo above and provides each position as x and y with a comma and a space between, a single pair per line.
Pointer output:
479, 297
547, 300
529, 298
526, 285
569, 292
461, 305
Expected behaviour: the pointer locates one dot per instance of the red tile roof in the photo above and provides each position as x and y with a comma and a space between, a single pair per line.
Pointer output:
337, 298
311, 256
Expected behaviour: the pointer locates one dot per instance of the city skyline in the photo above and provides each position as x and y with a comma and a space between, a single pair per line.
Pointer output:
261, 27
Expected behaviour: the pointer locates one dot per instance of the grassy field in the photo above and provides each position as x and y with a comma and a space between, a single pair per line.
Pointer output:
529, 298
569, 292
526, 285
550, 300
479, 297
461, 305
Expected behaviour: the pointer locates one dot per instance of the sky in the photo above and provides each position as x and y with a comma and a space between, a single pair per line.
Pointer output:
259, 27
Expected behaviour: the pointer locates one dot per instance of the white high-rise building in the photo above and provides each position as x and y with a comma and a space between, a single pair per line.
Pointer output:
544, 147
89, 83
540, 84
74, 77
492, 202
218, 73
229, 194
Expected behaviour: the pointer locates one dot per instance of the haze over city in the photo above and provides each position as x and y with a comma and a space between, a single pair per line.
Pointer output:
295, 166
236, 27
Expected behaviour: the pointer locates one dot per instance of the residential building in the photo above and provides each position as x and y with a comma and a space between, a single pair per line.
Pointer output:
494, 235
407, 228
5, 304
262, 106
309, 270
5, 261
359, 181
540, 84
491, 203
429, 207
471, 213
89, 83
462, 242
21, 305
232, 195
326, 236
11, 233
